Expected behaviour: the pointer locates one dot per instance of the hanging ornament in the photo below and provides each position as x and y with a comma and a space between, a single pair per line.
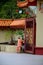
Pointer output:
22, 3
20, 11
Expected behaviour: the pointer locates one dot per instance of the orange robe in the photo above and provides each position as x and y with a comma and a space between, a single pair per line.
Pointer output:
19, 44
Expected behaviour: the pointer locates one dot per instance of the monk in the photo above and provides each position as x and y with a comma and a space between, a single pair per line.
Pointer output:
19, 44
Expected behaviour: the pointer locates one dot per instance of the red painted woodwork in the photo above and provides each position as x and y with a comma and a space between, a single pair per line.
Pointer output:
31, 24
39, 50
34, 3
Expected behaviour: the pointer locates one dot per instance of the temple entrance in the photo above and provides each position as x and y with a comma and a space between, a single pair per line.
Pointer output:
30, 35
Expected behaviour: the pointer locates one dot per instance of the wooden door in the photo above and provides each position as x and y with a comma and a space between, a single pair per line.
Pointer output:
30, 35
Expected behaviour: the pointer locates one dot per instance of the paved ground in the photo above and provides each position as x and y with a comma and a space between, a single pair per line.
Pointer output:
20, 59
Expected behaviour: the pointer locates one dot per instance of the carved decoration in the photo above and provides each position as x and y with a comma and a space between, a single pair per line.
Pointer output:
22, 3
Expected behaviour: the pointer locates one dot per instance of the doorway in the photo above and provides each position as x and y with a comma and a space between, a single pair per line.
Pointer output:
30, 35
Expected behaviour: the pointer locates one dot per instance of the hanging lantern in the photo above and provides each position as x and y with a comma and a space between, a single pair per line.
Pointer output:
22, 3
20, 11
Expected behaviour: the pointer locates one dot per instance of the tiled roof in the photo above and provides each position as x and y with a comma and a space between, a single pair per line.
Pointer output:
18, 22
5, 22
10, 22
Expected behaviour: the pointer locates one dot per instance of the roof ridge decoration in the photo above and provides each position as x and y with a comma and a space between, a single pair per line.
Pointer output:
23, 3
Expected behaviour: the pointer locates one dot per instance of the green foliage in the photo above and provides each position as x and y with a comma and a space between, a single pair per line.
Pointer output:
8, 10
20, 32
12, 33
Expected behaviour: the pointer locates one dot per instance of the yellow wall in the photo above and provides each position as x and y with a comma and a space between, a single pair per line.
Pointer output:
39, 28
5, 36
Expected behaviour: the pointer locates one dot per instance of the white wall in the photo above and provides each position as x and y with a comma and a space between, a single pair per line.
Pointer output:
39, 28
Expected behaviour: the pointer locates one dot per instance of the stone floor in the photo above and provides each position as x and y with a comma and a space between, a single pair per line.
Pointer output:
20, 59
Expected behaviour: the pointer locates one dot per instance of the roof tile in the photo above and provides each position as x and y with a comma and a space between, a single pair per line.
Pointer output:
5, 22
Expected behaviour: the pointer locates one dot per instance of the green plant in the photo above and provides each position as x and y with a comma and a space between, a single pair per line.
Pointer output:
10, 10
19, 32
